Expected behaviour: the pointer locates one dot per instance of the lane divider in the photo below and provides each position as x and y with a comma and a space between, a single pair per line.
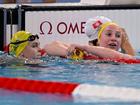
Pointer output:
74, 89
81, 55
126, 61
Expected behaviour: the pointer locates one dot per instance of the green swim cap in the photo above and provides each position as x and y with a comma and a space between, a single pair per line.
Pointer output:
16, 49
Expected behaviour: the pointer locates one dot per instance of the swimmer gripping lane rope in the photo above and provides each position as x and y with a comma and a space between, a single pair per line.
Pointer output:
80, 90
79, 54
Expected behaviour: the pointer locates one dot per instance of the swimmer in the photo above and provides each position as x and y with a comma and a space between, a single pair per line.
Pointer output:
110, 38
26, 46
94, 30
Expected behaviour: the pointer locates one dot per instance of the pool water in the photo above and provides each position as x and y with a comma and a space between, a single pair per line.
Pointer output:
64, 70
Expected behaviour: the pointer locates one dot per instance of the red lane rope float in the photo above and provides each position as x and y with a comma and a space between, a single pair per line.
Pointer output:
36, 85
127, 61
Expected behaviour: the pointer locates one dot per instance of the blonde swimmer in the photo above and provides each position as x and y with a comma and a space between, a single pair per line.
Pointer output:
95, 27
110, 39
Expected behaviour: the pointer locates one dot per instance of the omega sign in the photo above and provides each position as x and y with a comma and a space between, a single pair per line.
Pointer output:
46, 28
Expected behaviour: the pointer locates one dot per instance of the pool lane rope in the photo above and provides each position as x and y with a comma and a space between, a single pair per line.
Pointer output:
74, 89
81, 55
125, 61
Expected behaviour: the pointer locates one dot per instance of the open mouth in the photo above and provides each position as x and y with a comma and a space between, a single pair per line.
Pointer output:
112, 45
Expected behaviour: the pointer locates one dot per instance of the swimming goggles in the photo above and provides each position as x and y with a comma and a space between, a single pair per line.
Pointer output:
30, 38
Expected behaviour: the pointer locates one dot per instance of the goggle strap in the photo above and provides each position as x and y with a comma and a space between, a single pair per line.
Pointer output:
19, 42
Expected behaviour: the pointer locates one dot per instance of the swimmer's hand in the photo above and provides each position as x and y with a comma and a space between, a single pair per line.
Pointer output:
75, 53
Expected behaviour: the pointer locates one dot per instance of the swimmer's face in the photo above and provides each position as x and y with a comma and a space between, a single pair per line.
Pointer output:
111, 37
32, 50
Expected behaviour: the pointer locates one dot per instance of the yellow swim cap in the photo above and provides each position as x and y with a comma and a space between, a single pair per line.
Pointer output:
103, 26
16, 49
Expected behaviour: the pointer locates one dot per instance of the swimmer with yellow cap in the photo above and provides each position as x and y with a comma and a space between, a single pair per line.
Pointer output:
108, 38
106, 33
96, 29
16, 47
24, 44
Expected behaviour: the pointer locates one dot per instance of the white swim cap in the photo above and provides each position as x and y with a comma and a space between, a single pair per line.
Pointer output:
93, 25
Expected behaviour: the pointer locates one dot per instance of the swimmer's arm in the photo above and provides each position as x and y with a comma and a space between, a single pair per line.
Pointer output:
107, 53
102, 52
56, 48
